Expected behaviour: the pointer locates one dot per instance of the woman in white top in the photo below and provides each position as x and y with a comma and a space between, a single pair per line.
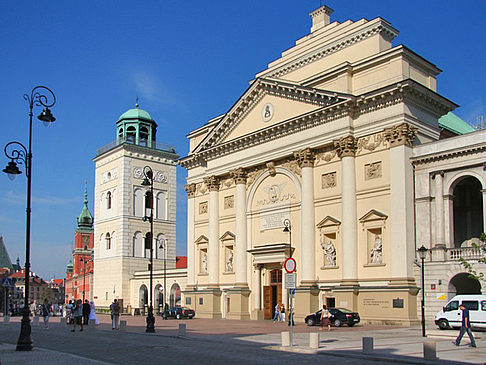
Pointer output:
92, 314
325, 321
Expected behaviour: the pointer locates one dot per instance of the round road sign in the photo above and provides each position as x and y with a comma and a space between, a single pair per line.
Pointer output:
290, 265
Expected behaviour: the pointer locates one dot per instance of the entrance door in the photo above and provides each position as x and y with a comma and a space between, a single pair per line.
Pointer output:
330, 302
267, 302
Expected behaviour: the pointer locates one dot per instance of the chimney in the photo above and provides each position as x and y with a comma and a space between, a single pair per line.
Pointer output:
321, 17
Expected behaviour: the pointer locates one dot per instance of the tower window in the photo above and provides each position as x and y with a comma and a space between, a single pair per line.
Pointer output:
143, 136
108, 200
108, 241
131, 134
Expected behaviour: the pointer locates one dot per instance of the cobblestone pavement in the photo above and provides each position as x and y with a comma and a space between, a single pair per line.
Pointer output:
207, 342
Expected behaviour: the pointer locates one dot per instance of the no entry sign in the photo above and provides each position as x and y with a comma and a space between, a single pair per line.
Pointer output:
290, 265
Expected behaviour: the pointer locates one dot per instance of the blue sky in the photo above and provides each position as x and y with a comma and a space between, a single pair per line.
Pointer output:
187, 61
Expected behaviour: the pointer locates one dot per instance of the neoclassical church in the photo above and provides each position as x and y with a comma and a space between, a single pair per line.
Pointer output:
323, 139
121, 254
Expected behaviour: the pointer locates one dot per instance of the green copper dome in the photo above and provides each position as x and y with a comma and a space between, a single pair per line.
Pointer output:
136, 113
85, 219
69, 266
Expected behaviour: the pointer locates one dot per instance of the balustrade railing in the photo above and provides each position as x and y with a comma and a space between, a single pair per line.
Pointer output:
466, 253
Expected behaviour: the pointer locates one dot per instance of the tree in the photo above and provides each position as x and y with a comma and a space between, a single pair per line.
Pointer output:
469, 267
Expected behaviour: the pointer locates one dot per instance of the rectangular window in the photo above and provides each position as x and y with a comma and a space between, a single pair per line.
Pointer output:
472, 305
201, 302
483, 305
188, 301
452, 306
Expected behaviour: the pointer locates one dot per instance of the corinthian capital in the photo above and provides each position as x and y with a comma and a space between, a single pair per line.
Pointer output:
190, 190
346, 146
239, 175
399, 135
305, 158
212, 182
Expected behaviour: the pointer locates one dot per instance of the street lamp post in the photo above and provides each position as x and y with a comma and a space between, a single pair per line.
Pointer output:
423, 254
85, 263
288, 229
149, 241
18, 153
164, 246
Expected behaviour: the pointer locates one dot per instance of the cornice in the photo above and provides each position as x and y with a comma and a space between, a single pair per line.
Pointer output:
379, 27
449, 154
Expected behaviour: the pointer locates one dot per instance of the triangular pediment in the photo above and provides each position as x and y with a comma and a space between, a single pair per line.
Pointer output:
328, 222
202, 240
373, 215
227, 236
268, 103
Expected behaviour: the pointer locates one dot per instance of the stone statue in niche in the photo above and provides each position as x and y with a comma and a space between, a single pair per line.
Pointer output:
204, 262
376, 251
329, 253
229, 261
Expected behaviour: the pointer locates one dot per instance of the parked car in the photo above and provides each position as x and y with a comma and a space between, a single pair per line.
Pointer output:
179, 312
451, 315
339, 317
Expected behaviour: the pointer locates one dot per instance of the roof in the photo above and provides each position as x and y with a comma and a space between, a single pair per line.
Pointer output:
4, 258
85, 219
136, 113
58, 282
453, 123
181, 262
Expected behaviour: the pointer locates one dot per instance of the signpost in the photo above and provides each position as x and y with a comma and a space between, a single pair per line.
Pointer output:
290, 283
7, 284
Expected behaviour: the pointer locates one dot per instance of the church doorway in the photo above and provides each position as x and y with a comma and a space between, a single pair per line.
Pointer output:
159, 298
175, 295
142, 298
463, 284
272, 294
467, 210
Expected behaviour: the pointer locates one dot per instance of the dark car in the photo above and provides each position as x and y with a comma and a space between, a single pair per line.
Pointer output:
339, 317
179, 312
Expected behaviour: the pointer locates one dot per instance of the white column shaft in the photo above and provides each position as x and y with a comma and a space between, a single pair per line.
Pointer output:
191, 267
285, 292
307, 252
439, 209
240, 242
258, 286
213, 249
349, 217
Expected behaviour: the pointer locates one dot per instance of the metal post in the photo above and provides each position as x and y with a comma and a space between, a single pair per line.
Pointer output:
149, 180
288, 228
423, 298
165, 276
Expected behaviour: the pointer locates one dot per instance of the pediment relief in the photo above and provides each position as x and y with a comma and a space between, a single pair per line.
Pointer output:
328, 222
266, 103
202, 240
227, 236
373, 215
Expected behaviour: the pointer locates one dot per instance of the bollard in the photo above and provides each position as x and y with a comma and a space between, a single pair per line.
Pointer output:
35, 321
367, 345
430, 350
123, 325
182, 329
91, 324
314, 340
285, 339
63, 321
6, 319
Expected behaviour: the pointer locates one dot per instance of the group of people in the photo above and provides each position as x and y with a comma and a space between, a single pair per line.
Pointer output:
79, 313
279, 313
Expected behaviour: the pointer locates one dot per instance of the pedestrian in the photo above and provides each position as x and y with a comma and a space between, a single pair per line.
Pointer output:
78, 315
45, 313
277, 314
115, 315
282, 312
69, 312
325, 318
86, 310
465, 327
92, 312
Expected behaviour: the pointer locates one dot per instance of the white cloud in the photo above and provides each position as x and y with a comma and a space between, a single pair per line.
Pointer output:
150, 88
12, 198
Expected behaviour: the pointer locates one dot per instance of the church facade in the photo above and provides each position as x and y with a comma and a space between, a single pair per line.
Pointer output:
121, 251
321, 141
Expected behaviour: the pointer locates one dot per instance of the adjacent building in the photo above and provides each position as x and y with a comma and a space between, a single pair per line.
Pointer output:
320, 142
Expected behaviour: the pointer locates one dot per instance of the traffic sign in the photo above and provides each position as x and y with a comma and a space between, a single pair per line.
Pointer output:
7, 283
290, 280
292, 293
290, 265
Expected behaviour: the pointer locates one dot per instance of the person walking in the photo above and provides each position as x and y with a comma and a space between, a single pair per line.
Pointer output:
325, 318
115, 315
277, 314
69, 312
45, 313
86, 310
282, 312
465, 327
78, 315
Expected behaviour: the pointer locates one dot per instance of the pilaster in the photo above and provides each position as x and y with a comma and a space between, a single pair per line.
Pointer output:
213, 184
439, 207
191, 191
239, 176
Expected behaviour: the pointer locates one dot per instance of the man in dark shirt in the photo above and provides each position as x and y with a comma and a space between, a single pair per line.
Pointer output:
465, 327
86, 310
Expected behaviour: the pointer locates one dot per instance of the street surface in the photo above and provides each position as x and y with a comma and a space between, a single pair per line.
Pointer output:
221, 342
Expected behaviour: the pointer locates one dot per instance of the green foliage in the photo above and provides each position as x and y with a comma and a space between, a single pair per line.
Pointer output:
468, 266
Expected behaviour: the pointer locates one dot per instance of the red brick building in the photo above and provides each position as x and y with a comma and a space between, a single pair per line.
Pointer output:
79, 271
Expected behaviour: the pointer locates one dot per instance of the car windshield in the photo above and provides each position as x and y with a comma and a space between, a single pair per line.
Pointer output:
344, 310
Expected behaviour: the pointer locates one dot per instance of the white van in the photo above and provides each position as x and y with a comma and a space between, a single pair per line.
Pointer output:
451, 315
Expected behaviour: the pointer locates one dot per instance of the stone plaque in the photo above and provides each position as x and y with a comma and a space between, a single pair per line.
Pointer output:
229, 202
203, 208
373, 170
273, 220
329, 180
398, 303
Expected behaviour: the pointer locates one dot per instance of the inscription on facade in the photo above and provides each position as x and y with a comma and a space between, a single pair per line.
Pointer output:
373, 170
329, 180
273, 220
376, 303
203, 208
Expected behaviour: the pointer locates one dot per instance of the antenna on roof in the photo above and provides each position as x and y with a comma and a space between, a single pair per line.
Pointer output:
136, 103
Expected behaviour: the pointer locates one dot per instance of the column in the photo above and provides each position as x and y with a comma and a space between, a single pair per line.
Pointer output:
191, 267
239, 176
212, 183
484, 209
400, 139
305, 158
439, 207
258, 287
346, 148
285, 292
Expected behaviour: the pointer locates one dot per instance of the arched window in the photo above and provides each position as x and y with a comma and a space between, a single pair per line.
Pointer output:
143, 136
120, 133
138, 202
137, 245
161, 201
108, 241
131, 134
161, 244
108, 200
